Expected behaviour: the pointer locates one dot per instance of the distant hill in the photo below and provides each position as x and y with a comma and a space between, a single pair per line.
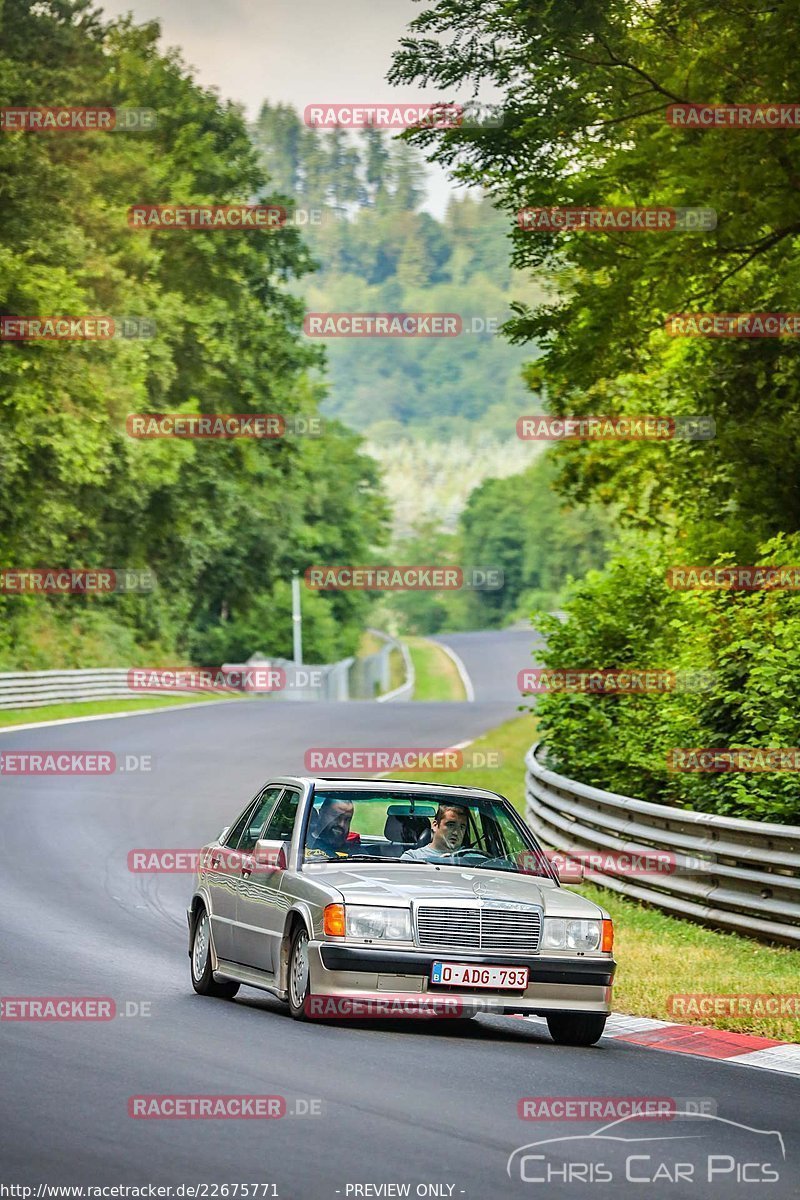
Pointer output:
358, 197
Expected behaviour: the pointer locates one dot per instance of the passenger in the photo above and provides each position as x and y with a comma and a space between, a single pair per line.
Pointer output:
331, 835
448, 830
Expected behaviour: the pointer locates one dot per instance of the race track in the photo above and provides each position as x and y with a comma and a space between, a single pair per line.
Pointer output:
412, 1103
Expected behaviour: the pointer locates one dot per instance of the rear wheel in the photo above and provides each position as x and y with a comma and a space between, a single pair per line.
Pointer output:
576, 1029
298, 974
203, 980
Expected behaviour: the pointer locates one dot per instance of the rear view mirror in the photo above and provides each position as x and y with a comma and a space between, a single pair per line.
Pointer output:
270, 854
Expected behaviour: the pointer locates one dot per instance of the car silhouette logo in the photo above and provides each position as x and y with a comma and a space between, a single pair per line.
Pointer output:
705, 1130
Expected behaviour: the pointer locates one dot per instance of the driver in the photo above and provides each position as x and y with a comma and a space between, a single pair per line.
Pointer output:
331, 836
448, 831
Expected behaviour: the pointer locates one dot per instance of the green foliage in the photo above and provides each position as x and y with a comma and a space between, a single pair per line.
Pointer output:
377, 252
220, 523
517, 525
521, 526
625, 617
584, 95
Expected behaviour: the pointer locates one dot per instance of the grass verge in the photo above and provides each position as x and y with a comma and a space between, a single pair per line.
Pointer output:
90, 708
397, 670
658, 955
436, 674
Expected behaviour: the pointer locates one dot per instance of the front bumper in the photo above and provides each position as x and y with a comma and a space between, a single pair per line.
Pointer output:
556, 984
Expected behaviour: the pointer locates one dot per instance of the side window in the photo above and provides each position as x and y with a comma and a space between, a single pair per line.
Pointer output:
232, 840
257, 818
281, 823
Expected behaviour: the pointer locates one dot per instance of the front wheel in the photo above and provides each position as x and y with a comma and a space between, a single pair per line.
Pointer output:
576, 1029
299, 985
203, 980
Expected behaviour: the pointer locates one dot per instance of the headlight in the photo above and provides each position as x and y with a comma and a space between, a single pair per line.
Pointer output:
392, 924
559, 933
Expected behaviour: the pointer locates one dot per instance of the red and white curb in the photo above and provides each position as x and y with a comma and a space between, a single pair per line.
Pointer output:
742, 1049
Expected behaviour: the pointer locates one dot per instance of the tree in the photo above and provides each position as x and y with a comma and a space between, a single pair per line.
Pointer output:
217, 522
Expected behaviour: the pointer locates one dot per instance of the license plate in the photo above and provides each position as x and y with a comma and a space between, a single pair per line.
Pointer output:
467, 975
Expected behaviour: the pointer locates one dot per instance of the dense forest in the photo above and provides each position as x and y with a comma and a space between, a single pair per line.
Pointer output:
585, 90
220, 523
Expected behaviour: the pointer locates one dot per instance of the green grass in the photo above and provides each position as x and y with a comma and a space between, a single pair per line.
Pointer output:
658, 955
436, 674
91, 708
369, 644
397, 670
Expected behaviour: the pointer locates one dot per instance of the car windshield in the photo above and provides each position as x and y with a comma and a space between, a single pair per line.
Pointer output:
420, 827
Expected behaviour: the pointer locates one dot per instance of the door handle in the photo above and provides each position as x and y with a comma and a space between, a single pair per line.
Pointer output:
247, 869
216, 859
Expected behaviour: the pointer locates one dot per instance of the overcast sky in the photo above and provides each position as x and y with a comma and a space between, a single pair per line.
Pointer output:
294, 51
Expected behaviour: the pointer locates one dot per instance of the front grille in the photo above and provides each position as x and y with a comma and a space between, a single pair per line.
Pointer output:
510, 930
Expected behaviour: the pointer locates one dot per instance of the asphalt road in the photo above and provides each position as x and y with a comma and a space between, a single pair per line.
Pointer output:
493, 661
401, 1104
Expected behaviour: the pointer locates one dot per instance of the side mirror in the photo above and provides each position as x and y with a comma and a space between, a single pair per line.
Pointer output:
224, 834
569, 872
568, 869
271, 855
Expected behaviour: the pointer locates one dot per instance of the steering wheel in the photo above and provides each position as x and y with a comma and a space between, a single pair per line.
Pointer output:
462, 854
479, 856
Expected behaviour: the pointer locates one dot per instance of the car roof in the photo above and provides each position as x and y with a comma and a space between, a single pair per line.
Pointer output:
359, 784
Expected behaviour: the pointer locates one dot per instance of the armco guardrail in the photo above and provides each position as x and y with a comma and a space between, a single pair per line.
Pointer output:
32, 689
406, 690
327, 681
723, 871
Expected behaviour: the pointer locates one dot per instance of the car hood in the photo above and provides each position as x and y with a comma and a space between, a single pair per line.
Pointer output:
401, 883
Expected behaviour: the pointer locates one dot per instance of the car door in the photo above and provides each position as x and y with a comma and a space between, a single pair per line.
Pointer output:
260, 908
221, 873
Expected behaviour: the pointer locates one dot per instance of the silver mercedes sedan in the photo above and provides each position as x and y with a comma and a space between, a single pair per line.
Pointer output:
361, 897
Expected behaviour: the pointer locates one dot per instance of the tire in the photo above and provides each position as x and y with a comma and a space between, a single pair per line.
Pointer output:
203, 980
297, 981
576, 1029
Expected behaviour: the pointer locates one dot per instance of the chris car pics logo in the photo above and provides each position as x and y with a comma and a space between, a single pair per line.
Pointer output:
696, 1150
